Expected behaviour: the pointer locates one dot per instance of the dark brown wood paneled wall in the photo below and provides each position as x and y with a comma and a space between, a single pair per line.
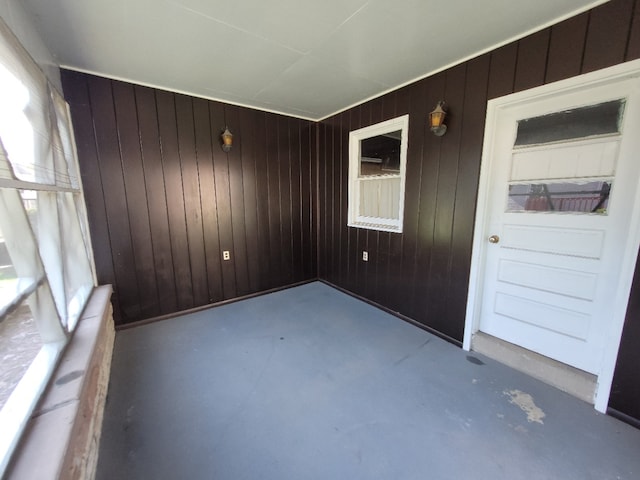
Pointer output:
164, 200
423, 273
625, 390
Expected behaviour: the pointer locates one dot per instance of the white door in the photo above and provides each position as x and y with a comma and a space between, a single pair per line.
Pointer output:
556, 230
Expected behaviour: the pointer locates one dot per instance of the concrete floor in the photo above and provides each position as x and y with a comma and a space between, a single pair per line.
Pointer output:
309, 383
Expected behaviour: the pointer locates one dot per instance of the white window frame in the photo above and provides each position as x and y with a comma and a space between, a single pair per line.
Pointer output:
354, 219
54, 266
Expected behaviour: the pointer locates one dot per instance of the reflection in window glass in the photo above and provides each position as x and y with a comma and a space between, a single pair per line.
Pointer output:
380, 155
601, 119
19, 345
570, 196
19, 338
15, 129
30, 202
8, 276
75, 264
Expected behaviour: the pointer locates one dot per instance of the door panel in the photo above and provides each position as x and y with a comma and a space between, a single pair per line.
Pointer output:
544, 314
558, 215
575, 242
590, 158
548, 278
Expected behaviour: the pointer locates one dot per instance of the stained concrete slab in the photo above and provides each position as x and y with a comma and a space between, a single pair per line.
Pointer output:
568, 379
309, 383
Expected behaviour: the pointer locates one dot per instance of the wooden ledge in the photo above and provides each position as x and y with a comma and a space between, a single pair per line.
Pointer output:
63, 435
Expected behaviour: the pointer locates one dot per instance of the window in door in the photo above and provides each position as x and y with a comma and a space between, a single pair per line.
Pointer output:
565, 161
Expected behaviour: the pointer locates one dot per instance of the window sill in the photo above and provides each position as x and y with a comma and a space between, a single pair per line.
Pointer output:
376, 226
63, 435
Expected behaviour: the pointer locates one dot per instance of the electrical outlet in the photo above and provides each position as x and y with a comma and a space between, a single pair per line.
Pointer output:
226, 255
365, 256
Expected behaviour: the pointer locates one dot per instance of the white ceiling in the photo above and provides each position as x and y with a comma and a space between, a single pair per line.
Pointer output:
306, 58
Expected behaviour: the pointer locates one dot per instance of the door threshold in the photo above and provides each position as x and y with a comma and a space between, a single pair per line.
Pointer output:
571, 380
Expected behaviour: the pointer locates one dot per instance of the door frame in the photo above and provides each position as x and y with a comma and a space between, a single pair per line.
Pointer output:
617, 73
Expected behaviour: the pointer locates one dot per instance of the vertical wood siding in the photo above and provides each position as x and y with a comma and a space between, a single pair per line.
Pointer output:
423, 273
625, 390
164, 200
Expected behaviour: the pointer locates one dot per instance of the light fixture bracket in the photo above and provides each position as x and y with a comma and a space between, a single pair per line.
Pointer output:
436, 120
227, 140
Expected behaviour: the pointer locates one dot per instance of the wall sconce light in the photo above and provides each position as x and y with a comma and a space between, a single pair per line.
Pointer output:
436, 120
227, 140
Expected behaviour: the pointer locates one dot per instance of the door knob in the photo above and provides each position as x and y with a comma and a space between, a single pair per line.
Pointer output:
494, 239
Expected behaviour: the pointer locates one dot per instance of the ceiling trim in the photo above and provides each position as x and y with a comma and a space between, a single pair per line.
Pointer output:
519, 36
556, 20
182, 92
